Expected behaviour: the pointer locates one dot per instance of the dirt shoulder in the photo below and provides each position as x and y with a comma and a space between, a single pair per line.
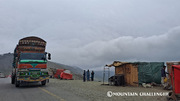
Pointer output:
94, 91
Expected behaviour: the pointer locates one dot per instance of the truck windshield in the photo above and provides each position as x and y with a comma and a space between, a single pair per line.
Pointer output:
32, 56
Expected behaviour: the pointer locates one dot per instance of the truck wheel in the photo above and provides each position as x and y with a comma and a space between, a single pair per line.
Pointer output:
43, 82
12, 80
17, 83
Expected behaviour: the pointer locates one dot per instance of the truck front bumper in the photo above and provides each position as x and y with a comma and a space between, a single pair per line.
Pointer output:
29, 79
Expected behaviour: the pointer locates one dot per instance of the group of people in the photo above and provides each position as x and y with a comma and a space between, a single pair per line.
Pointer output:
86, 75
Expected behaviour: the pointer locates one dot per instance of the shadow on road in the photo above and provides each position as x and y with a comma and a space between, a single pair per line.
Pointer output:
30, 85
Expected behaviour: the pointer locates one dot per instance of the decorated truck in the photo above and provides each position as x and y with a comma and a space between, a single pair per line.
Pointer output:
30, 61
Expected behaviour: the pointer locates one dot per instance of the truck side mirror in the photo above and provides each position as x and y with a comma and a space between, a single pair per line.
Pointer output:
49, 56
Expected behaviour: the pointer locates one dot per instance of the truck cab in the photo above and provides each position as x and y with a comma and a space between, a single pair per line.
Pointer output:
30, 62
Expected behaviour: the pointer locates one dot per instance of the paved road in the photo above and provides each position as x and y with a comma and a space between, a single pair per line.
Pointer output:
33, 92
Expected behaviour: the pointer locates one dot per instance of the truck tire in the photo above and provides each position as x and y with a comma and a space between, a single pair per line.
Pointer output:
12, 80
43, 82
17, 83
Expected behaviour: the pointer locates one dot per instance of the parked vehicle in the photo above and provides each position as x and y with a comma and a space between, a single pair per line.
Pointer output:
30, 61
175, 73
2, 75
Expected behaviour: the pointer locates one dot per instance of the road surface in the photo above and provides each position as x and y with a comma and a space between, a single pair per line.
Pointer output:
73, 90
33, 92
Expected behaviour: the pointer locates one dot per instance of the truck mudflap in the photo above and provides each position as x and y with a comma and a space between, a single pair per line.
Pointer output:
33, 79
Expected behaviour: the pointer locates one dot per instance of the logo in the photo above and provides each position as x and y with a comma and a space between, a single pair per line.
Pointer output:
109, 94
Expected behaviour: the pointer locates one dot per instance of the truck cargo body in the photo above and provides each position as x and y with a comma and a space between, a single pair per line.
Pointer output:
30, 62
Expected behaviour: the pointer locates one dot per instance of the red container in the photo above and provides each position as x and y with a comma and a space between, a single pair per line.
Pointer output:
175, 78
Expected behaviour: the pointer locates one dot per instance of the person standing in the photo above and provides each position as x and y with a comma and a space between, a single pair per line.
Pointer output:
92, 76
84, 76
163, 75
88, 74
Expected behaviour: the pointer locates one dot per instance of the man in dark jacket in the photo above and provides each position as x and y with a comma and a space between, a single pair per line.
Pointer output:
163, 75
92, 76
88, 75
84, 76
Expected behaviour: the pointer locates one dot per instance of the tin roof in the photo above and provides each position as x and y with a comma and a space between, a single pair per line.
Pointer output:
117, 63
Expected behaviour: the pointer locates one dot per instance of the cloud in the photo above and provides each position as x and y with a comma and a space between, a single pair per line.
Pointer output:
163, 47
92, 33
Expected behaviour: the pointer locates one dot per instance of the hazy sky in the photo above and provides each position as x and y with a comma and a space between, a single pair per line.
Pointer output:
92, 33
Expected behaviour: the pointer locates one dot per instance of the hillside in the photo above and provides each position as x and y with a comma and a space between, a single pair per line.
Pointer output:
7, 59
77, 72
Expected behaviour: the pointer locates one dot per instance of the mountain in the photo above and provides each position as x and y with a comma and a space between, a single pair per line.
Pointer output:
7, 59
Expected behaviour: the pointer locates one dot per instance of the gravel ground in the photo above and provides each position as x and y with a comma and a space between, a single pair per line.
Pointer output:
94, 91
